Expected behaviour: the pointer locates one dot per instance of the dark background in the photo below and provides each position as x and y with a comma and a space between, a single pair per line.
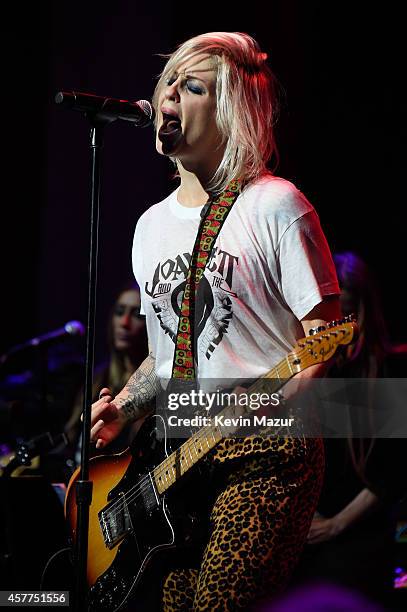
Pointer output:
339, 136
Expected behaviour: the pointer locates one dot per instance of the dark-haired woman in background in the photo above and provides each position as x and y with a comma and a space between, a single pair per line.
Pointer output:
127, 340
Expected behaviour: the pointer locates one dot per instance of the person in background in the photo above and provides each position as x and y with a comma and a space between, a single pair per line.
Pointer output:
127, 341
351, 538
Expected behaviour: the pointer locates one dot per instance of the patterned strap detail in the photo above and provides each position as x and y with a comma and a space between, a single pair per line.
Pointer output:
211, 224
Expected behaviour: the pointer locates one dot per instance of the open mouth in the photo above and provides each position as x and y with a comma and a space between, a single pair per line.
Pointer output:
171, 125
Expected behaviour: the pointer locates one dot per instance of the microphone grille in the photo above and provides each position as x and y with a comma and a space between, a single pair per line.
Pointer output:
74, 328
147, 109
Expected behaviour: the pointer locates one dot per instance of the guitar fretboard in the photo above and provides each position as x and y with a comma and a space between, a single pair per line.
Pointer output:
199, 444
311, 350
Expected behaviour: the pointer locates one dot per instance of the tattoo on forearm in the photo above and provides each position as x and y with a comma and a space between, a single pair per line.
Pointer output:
140, 389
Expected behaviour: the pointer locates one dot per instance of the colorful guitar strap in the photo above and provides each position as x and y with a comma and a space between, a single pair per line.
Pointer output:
209, 228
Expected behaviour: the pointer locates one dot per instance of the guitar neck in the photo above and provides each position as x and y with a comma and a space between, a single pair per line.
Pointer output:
316, 348
203, 441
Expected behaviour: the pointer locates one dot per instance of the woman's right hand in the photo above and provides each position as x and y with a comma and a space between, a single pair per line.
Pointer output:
107, 421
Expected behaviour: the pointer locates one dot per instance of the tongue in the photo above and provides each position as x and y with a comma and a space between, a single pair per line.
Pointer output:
173, 123
168, 127
170, 132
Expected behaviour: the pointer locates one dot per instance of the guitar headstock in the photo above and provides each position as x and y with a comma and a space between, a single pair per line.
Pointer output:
322, 342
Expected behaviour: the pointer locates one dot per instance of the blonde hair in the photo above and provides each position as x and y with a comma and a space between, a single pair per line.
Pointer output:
246, 102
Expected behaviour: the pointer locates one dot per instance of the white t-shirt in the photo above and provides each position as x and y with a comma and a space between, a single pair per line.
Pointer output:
269, 267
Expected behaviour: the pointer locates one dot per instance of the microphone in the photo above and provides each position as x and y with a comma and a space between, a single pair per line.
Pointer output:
72, 328
139, 113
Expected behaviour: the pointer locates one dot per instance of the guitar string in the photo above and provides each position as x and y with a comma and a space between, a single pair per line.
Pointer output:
138, 489
160, 469
141, 487
129, 496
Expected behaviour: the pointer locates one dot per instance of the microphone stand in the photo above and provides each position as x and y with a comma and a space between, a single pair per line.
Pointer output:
84, 485
100, 112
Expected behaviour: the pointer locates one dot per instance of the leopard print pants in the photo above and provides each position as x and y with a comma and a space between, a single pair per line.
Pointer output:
259, 523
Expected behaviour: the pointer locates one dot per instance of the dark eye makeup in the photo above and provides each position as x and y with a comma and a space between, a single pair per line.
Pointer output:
189, 83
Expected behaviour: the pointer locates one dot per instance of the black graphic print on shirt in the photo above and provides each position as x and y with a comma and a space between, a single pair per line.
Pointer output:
213, 309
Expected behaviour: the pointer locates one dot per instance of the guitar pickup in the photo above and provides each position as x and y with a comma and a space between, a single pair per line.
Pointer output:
114, 521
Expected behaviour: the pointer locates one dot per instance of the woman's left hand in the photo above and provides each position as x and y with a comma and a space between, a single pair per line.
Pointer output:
323, 529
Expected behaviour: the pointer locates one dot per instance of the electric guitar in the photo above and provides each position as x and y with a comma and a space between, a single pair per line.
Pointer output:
28, 453
131, 515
